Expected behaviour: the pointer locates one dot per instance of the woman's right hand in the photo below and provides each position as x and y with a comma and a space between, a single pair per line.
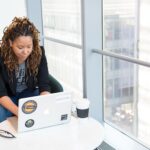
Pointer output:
6, 102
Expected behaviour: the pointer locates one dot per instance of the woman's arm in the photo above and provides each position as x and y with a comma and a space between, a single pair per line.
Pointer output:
43, 80
44, 93
6, 102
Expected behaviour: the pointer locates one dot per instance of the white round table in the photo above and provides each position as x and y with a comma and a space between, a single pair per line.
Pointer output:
78, 134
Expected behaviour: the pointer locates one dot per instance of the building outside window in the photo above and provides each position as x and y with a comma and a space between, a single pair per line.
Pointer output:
126, 31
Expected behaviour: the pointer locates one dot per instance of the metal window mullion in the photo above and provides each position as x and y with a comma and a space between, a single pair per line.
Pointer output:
63, 42
126, 58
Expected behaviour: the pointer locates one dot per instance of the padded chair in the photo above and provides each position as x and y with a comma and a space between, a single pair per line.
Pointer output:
55, 85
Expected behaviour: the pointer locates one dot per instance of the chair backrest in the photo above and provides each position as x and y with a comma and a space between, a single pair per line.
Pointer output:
55, 85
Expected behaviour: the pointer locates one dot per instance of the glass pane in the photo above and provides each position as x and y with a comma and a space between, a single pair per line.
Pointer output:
126, 86
126, 28
127, 98
62, 20
65, 63
120, 24
144, 27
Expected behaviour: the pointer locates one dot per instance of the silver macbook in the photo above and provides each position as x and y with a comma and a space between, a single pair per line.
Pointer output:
44, 111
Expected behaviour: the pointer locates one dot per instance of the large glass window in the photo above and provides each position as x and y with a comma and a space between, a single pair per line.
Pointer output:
62, 20
62, 41
64, 63
126, 85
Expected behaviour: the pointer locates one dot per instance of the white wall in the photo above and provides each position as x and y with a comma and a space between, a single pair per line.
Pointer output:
8, 10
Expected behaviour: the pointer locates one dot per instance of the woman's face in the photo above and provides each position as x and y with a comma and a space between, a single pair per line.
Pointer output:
22, 47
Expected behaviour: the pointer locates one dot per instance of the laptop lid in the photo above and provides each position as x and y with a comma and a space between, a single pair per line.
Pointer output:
44, 111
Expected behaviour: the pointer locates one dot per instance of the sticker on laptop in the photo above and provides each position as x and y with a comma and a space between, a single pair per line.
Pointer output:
29, 123
64, 117
29, 107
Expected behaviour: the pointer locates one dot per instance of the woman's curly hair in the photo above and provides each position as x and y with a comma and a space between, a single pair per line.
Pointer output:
21, 26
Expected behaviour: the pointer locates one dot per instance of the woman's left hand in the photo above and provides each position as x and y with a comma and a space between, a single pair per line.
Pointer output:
45, 93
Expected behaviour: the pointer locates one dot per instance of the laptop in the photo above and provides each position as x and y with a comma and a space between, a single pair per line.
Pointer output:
43, 111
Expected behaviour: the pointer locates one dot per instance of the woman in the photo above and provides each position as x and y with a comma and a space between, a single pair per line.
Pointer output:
23, 66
